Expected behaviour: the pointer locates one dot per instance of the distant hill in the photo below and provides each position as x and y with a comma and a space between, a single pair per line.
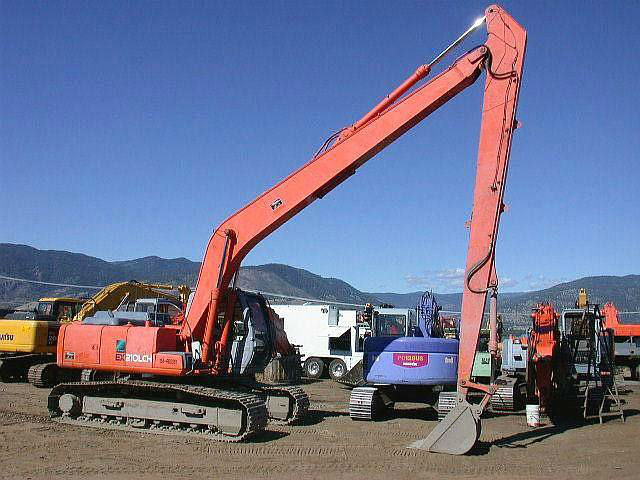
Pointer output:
449, 301
623, 291
22, 261
286, 280
54, 266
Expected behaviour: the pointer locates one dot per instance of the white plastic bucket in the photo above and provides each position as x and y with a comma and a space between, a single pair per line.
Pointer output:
533, 415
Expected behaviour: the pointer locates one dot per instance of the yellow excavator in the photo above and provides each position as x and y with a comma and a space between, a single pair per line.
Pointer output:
28, 339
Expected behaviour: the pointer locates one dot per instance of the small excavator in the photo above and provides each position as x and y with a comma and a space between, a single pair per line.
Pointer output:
194, 378
411, 364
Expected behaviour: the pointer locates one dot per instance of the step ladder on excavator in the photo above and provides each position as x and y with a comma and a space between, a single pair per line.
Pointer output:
592, 352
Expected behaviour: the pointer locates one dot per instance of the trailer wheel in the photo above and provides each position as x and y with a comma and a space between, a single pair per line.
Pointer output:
313, 367
337, 369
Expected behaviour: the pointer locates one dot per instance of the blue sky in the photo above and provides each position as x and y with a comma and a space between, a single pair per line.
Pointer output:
133, 128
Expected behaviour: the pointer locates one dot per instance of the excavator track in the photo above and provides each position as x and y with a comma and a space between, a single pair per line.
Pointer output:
367, 403
286, 405
5, 371
43, 375
160, 408
446, 402
504, 399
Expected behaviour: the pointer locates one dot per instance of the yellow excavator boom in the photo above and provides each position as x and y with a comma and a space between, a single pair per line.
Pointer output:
112, 296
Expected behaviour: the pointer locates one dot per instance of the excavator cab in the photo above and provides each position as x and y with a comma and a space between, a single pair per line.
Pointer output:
56, 309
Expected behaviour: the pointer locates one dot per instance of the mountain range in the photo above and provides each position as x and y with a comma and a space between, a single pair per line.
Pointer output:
55, 266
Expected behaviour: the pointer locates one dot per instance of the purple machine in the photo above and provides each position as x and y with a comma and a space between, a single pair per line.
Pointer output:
405, 359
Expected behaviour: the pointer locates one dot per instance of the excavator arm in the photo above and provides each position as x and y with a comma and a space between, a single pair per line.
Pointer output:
237, 235
502, 57
113, 295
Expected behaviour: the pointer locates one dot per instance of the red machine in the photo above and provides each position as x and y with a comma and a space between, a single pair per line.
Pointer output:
612, 321
626, 340
201, 348
544, 346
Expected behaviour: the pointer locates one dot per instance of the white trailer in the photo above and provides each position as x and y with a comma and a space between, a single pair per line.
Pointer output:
330, 339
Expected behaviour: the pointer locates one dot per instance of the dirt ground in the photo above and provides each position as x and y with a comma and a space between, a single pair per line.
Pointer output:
328, 445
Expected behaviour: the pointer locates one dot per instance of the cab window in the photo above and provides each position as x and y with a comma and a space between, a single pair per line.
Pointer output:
66, 310
45, 308
390, 325
173, 311
145, 307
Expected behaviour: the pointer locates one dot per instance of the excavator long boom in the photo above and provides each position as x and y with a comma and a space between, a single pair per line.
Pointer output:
237, 235
502, 57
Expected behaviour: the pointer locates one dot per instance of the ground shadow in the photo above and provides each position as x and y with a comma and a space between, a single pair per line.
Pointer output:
530, 437
268, 436
309, 381
424, 412
540, 434
314, 417
480, 448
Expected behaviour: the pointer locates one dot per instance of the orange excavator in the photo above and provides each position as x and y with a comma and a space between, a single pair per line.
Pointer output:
544, 351
571, 364
194, 372
626, 339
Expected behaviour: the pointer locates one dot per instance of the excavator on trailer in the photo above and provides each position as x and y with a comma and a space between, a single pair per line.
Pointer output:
189, 378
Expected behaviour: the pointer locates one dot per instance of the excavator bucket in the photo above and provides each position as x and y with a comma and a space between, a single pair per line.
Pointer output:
456, 434
355, 376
